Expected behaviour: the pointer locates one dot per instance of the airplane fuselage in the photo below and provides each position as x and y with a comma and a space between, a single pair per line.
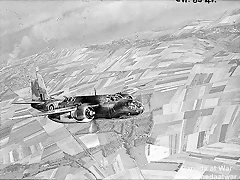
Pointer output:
80, 108
93, 99
104, 106
47, 105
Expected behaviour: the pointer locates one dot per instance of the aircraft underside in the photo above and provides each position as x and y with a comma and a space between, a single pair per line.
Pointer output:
96, 107
100, 112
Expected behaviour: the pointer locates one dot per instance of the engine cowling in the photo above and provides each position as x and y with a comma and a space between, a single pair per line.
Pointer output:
85, 114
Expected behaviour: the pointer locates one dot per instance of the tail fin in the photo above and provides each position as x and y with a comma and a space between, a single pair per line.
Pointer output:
39, 90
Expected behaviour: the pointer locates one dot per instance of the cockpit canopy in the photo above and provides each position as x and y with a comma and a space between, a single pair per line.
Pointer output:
118, 96
69, 99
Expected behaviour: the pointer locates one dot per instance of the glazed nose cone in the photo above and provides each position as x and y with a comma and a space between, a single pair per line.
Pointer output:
142, 109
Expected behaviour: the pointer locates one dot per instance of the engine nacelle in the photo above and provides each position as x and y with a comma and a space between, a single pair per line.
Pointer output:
84, 114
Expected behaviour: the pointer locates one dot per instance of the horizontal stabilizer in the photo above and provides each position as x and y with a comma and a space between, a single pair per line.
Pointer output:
31, 102
57, 111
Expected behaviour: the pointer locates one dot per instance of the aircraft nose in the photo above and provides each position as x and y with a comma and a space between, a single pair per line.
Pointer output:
142, 109
139, 107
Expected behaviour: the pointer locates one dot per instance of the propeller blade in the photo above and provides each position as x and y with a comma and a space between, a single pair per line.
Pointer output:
93, 127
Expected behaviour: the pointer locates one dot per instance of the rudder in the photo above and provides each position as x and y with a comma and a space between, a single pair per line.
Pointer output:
39, 90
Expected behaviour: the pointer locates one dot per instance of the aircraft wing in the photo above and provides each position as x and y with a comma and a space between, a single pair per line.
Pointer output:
57, 111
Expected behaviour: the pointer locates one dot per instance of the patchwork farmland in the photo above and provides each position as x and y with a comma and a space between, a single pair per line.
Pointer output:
188, 81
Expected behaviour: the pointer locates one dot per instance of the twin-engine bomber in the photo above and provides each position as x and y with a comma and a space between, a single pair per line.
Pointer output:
80, 109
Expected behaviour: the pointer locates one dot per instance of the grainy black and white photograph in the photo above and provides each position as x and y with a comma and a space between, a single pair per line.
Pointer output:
120, 89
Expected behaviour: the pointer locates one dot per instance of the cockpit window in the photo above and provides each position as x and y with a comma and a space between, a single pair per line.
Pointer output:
69, 99
115, 97
132, 105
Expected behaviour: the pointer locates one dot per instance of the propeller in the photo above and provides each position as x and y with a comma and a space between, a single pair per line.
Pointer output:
93, 127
